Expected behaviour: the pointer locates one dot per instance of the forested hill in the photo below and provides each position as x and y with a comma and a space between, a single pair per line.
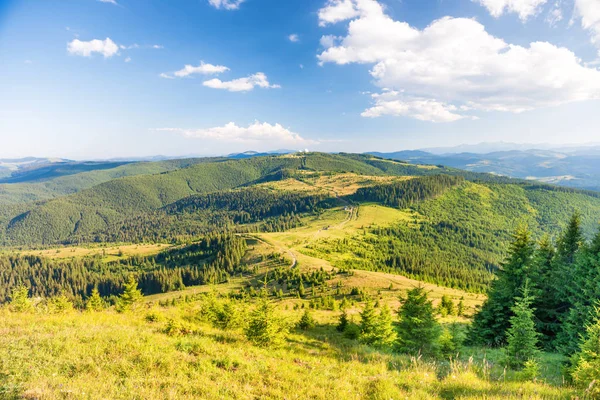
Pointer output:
89, 213
48, 181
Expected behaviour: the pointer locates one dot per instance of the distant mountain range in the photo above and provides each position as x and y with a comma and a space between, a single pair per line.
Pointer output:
577, 167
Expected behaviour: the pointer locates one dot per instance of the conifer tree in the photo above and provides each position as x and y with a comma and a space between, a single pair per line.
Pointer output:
545, 301
586, 363
492, 321
368, 323
418, 330
385, 334
94, 302
130, 297
306, 321
59, 304
343, 321
584, 294
20, 301
265, 328
522, 338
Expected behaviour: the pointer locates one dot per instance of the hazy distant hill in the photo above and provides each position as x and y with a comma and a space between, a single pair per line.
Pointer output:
579, 168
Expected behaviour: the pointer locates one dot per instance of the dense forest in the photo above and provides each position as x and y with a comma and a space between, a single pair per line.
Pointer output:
211, 260
555, 285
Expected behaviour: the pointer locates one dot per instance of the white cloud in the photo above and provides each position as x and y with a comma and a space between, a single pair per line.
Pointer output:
166, 76
242, 84
525, 8
589, 12
255, 132
454, 62
109, 1
328, 41
395, 104
106, 47
158, 46
555, 15
336, 11
128, 59
294, 38
203, 69
226, 4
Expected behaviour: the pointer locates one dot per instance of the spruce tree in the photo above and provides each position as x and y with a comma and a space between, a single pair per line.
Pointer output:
20, 301
584, 294
306, 321
131, 296
265, 328
343, 321
545, 301
493, 320
565, 276
586, 363
522, 338
368, 323
94, 302
385, 335
418, 330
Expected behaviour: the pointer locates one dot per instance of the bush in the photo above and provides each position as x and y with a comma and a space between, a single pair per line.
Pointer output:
177, 328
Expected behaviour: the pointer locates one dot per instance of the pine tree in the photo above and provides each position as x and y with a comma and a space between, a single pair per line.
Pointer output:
59, 304
418, 330
522, 338
542, 289
460, 309
343, 321
265, 328
584, 294
586, 363
20, 301
493, 320
385, 335
446, 306
301, 290
368, 323
131, 296
306, 321
94, 302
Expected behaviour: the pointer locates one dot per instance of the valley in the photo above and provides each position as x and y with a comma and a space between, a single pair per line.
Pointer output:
311, 234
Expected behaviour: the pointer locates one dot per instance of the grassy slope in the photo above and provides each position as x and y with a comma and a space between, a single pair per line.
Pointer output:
108, 355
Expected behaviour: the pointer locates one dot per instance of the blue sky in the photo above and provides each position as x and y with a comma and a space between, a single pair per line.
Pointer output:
99, 79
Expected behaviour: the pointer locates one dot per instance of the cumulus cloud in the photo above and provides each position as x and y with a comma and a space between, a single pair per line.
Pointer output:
255, 132
395, 104
242, 84
454, 65
589, 12
337, 10
109, 1
226, 4
524, 8
294, 38
106, 47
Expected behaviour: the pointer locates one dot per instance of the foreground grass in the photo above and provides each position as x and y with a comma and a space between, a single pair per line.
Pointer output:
127, 356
